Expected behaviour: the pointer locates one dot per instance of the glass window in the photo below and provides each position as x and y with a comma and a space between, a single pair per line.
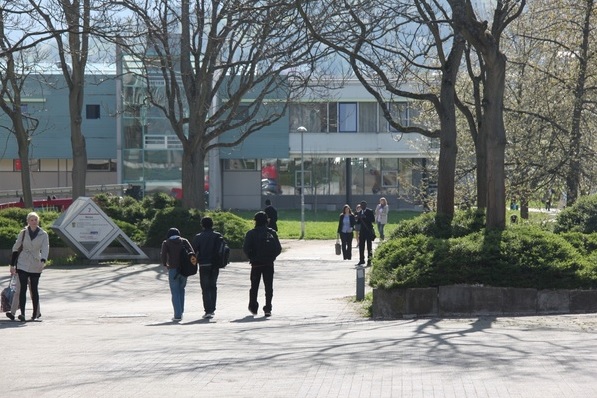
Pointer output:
406, 176
308, 115
368, 117
332, 118
101, 165
347, 117
400, 113
92, 111
240, 164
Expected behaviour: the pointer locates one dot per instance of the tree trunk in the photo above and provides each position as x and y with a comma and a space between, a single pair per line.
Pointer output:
575, 168
193, 177
23, 147
79, 147
493, 128
448, 137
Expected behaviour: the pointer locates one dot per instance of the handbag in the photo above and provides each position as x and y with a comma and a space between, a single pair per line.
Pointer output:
338, 248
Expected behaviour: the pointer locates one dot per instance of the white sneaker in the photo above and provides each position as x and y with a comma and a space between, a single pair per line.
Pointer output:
208, 315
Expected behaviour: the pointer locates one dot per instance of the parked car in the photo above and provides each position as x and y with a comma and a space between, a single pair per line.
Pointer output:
270, 187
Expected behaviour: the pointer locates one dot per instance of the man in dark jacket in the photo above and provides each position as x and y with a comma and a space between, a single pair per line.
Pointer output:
365, 217
261, 246
272, 215
204, 244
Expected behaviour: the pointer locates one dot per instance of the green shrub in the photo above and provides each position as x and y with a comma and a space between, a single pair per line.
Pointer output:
521, 256
157, 201
187, 221
131, 231
580, 217
584, 243
17, 214
8, 236
233, 227
463, 223
9, 223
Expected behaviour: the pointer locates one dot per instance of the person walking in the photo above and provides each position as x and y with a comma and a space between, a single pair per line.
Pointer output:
204, 244
29, 254
170, 258
381, 216
272, 215
346, 225
365, 217
357, 225
262, 246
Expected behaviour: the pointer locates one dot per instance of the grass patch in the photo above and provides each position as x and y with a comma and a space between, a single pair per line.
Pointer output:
320, 224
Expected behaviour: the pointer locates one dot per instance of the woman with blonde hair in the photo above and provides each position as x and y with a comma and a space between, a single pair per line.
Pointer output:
381, 216
29, 255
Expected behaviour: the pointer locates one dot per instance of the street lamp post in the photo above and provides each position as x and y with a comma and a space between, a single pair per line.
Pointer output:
302, 129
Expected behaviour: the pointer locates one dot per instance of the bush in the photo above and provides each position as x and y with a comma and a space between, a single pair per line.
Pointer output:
155, 202
586, 244
580, 217
17, 214
188, 222
15, 219
521, 256
9, 223
431, 224
234, 228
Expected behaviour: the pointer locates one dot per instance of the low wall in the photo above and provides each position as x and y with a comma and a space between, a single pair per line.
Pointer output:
467, 300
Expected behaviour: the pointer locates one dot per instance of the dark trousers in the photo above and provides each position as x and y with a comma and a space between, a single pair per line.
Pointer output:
364, 239
257, 272
208, 277
346, 240
24, 278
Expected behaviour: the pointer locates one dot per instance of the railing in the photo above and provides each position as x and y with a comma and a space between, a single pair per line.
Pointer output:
44, 192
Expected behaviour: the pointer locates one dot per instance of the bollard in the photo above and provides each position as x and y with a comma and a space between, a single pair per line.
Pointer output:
360, 283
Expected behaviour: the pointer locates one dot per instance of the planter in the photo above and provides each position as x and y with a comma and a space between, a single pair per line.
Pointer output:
468, 300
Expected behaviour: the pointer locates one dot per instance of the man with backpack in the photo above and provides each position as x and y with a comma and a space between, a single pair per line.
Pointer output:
206, 245
261, 246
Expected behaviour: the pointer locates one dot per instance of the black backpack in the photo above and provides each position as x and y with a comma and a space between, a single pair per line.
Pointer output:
267, 245
186, 267
221, 257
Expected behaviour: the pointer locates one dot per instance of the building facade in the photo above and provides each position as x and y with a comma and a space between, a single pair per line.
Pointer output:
45, 99
341, 147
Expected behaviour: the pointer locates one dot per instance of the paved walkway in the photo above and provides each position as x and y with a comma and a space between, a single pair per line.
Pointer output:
106, 332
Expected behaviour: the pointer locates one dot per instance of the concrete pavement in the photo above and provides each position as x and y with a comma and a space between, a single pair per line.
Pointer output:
106, 332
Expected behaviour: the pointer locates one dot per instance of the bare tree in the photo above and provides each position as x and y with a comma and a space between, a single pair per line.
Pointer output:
74, 18
400, 49
13, 74
560, 68
491, 139
228, 70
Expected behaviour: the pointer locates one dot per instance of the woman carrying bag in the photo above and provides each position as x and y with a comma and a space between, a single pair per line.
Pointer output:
29, 255
346, 224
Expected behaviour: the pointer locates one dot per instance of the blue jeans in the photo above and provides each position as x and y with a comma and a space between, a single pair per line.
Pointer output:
208, 276
177, 287
380, 227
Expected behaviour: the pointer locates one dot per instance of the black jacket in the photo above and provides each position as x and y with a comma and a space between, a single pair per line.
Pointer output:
272, 215
258, 251
366, 218
204, 244
352, 219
